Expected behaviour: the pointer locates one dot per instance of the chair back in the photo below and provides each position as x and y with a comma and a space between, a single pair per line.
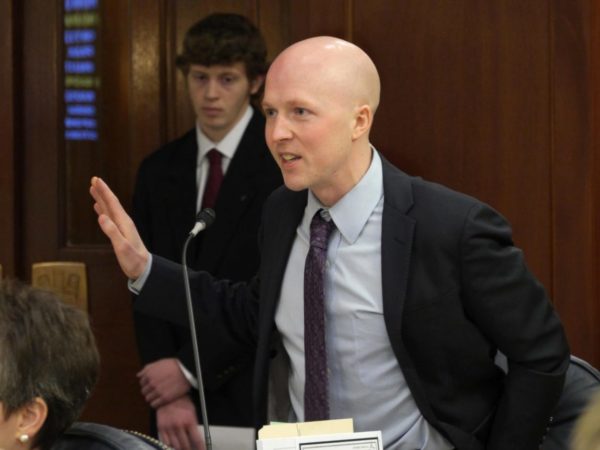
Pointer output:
94, 436
581, 382
67, 279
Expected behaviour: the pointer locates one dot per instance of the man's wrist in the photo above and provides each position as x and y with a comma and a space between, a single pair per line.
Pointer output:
137, 285
188, 375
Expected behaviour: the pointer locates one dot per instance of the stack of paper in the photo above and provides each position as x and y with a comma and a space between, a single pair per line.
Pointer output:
323, 435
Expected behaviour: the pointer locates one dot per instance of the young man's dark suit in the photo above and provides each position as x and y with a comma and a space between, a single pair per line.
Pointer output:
164, 209
454, 289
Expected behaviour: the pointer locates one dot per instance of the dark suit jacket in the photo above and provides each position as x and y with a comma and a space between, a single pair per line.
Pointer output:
455, 290
164, 210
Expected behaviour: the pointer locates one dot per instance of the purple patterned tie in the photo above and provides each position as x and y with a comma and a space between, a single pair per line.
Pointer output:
316, 401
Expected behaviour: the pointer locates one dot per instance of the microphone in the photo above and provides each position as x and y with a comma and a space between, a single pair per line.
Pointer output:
204, 219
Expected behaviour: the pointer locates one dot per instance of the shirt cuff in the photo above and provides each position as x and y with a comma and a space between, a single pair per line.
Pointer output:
188, 375
136, 286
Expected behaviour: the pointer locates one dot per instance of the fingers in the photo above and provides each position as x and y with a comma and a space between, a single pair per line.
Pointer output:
170, 439
178, 425
106, 199
196, 438
120, 229
112, 231
109, 205
177, 437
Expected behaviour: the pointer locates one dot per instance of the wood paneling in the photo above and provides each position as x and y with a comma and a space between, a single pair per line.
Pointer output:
593, 302
315, 18
459, 108
575, 189
148, 83
42, 131
8, 88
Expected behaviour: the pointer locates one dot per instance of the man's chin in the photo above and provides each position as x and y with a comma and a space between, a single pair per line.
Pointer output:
294, 185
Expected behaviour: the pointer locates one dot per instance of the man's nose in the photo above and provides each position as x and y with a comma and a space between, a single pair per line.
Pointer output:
212, 89
279, 129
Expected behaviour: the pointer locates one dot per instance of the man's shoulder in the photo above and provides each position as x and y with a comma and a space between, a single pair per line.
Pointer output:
183, 146
421, 188
425, 199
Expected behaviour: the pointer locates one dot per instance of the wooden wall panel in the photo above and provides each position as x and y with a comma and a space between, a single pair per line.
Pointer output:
147, 88
575, 188
273, 19
459, 108
41, 124
8, 192
315, 18
594, 79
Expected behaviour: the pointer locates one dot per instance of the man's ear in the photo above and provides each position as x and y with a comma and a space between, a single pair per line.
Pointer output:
363, 119
256, 83
31, 417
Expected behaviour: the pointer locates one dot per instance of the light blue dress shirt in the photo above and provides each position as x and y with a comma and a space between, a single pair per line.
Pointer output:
365, 380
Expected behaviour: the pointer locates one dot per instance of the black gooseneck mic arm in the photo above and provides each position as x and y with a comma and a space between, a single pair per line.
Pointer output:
204, 219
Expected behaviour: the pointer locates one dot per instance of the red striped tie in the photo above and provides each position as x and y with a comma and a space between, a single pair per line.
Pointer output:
215, 177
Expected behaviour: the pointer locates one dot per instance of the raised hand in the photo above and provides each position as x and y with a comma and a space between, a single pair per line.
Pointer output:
131, 253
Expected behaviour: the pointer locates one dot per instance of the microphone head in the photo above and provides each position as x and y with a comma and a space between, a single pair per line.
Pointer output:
207, 215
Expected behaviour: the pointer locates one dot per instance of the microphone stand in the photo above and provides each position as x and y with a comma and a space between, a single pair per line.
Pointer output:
188, 298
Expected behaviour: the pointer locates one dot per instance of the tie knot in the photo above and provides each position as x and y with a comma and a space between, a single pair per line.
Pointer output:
320, 230
214, 156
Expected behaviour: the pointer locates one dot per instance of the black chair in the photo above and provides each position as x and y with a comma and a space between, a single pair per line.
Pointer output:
93, 436
581, 382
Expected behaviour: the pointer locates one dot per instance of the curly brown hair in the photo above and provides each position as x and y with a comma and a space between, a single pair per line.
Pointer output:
223, 38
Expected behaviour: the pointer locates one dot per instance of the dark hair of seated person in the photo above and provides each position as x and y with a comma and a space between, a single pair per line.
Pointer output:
48, 361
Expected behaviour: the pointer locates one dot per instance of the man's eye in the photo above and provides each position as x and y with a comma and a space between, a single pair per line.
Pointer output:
199, 77
228, 79
300, 111
269, 112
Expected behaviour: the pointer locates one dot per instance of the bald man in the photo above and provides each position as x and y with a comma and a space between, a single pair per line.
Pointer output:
422, 285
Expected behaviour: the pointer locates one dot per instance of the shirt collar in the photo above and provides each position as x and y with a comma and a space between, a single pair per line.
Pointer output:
350, 219
229, 143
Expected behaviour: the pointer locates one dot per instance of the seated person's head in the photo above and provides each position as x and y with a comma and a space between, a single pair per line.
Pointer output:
224, 62
48, 366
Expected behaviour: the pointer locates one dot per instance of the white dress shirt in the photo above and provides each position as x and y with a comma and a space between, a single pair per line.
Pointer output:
227, 148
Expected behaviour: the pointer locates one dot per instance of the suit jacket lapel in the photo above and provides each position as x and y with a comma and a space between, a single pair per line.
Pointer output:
396, 249
278, 233
279, 238
396, 245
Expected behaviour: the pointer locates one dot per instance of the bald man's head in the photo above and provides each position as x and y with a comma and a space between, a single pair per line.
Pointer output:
320, 98
339, 66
